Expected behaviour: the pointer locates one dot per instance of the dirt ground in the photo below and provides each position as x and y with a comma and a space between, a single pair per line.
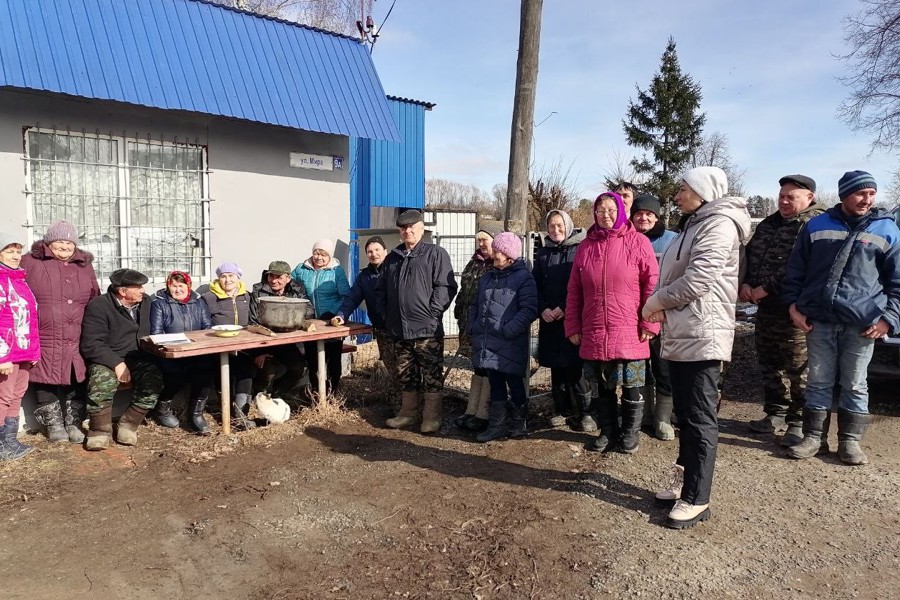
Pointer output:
347, 509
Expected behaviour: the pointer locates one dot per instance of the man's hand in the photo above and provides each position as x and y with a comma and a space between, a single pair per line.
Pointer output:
548, 316
260, 361
745, 293
657, 317
799, 319
646, 336
575, 339
337, 321
123, 375
6, 368
757, 294
876, 331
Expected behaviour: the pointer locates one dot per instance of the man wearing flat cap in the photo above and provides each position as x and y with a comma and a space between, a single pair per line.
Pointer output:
287, 358
113, 323
415, 289
780, 347
842, 289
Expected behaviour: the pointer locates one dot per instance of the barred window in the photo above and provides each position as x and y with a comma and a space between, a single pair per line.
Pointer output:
136, 203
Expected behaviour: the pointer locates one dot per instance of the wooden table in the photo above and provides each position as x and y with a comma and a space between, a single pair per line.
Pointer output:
205, 342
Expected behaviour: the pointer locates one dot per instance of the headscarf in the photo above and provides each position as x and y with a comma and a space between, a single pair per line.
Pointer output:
567, 221
621, 217
187, 281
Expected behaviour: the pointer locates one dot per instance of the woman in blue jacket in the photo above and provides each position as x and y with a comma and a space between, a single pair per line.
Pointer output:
176, 309
500, 326
326, 283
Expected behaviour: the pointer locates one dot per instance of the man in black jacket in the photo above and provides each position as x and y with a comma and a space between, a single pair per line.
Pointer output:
415, 289
112, 325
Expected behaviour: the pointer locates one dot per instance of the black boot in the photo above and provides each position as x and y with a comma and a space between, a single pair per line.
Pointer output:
197, 406
498, 428
163, 414
51, 417
632, 412
582, 398
851, 427
560, 394
518, 427
12, 446
813, 440
607, 420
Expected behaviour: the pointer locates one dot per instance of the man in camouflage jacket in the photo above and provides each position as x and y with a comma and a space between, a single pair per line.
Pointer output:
780, 347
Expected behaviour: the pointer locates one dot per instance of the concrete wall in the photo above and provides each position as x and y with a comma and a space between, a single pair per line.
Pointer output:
263, 209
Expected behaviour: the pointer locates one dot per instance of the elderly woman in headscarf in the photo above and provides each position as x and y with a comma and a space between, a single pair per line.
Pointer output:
176, 309
552, 268
228, 300
476, 416
326, 283
615, 271
63, 280
698, 290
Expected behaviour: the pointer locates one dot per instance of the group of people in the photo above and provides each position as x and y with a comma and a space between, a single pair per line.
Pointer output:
635, 323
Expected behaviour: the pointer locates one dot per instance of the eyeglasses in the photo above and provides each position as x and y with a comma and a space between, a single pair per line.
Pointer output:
606, 211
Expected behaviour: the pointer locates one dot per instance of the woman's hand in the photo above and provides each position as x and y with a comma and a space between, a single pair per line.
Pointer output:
646, 336
547, 315
337, 321
656, 317
575, 339
745, 294
558, 313
6, 368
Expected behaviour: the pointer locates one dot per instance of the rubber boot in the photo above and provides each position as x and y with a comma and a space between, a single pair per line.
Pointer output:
409, 411
662, 413
74, 418
6, 452
851, 428
51, 417
498, 428
560, 395
649, 417
632, 412
813, 426
472, 406
479, 422
583, 399
607, 420
129, 422
14, 447
518, 425
195, 410
431, 412
99, 429
163, 414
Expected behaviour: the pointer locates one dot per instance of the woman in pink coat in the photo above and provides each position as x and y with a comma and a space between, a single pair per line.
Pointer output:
614, 273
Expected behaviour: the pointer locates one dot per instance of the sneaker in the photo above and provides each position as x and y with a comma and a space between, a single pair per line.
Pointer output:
685, 515
768, 424
672, 493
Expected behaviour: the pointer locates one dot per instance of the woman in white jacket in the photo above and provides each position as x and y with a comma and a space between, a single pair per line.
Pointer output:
695, 299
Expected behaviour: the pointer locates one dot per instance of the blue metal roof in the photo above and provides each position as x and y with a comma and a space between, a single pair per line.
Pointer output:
196, 56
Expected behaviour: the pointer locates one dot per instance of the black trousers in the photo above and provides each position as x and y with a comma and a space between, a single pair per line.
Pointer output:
49, 393
570, 380
333, 351
197, 371
695, 394
659, 368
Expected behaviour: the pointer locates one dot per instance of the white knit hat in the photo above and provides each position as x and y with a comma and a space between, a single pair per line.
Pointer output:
710, 183
326, 245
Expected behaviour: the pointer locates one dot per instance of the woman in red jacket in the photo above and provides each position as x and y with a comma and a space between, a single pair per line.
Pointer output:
63, 281
614, 273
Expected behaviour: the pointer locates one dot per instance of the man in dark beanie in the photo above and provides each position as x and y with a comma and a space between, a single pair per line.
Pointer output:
843, 290
645, 213
113, 324
780, 347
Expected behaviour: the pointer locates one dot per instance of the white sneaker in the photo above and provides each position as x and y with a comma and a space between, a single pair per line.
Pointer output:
686, 515
673, 492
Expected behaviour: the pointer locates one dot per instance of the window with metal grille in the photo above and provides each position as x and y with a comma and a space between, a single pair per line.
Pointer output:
136, 203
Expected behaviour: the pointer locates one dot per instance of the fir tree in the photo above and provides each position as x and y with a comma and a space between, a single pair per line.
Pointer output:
665, 121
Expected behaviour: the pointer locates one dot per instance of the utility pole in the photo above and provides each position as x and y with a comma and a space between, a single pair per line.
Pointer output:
523, 116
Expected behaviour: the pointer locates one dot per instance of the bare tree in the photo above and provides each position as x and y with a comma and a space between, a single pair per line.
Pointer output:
443, 193
619, 168
498, 194
339, 16
549, 188
713, 152
873, 36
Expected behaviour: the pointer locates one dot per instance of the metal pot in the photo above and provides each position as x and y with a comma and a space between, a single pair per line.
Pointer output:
282, 314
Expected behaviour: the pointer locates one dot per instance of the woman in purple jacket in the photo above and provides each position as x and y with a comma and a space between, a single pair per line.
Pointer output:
63, 280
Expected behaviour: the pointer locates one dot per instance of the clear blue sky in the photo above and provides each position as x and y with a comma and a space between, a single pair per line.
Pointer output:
767, 70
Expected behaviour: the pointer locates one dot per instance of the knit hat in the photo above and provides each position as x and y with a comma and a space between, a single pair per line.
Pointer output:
324, 244
61, 231
853, 181
7, 238
229, 267
567, 221
647, 202
375, 239
492, 228
127, 278
621, 216
710, 183
509, 244
802, 181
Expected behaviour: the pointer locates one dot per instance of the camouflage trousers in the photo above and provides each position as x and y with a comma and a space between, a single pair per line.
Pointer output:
420, 364
781, 352
386, 350
146, 382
